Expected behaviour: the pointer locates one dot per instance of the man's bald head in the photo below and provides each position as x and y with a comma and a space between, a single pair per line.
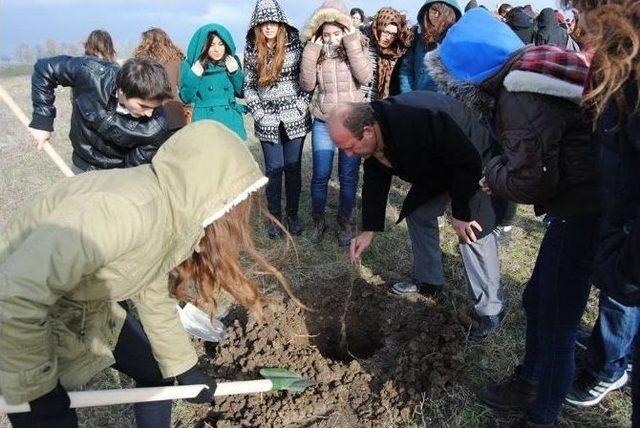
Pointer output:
351, 126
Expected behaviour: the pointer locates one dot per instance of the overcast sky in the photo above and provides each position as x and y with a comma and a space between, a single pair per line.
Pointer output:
35, 21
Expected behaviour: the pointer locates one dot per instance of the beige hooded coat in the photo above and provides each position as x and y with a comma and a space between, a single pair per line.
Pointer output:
103, 237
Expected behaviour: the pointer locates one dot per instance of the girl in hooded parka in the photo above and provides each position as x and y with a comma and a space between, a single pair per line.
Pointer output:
434, 19
211, 78
335, 64
549, 31
280, 109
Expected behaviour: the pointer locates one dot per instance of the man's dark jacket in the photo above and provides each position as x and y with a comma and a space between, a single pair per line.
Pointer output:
435, 144
616, 266
101, 137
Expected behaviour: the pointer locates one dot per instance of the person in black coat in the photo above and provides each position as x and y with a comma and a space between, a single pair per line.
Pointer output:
117, 119
616, 269
431, 141
549, 30
522, 24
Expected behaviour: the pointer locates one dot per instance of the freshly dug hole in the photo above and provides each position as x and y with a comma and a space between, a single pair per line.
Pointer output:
347, 332
398, 350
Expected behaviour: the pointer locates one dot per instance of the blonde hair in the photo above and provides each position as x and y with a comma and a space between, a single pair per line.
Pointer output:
217, 264
614, 32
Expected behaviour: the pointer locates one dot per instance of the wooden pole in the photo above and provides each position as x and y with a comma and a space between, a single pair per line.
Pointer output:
55, 157
111, 397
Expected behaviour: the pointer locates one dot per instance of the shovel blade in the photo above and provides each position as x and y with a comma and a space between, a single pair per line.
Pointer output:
285, 380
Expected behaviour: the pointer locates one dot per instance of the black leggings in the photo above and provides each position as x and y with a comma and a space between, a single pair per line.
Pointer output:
134, 358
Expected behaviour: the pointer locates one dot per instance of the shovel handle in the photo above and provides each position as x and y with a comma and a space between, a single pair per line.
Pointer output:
111, 397
55, 157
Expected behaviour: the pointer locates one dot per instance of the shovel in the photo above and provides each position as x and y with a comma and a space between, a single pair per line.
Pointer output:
274, 380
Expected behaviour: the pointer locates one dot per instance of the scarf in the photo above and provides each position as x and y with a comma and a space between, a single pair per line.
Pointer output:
572, 67
388, 57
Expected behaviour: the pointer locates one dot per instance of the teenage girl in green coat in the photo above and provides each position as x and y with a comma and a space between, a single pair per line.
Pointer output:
211, 78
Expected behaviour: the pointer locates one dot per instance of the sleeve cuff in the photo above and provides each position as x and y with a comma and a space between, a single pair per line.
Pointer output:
43, 123
460, 210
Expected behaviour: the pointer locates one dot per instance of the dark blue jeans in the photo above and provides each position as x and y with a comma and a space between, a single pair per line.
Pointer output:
348, 169
610, 346
554, 301
134, 358
635, 380
283, 158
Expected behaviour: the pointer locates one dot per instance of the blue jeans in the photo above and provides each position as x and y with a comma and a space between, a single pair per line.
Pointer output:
348, 169
635, 391
611, 343
554, 301
281, 159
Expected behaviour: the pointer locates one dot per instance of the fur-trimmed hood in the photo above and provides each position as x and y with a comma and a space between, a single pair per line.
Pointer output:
330, 11
480, 55
481, 97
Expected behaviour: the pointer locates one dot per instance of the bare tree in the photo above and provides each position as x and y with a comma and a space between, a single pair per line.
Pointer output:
23, 54
52, 47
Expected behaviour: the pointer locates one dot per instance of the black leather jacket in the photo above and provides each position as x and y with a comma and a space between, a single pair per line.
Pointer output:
101, 137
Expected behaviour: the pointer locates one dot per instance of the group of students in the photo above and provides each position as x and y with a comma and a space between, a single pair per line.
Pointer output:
549, 27
478, 133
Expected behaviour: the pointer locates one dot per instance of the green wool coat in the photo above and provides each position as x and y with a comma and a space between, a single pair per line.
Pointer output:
108, 236
213, 95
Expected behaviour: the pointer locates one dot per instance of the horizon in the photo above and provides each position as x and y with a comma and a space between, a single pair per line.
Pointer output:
70, 21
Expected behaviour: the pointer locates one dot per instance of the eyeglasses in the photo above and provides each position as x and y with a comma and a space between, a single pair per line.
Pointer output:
388, 34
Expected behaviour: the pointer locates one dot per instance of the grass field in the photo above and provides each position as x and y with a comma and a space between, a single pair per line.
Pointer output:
25, 172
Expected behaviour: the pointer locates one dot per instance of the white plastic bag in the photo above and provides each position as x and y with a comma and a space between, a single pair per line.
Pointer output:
198, 323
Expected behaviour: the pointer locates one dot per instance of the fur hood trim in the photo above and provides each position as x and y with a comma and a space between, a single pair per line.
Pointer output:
473, 96
324, 14
528, 81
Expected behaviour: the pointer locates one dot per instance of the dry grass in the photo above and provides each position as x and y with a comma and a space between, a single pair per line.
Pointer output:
24, 172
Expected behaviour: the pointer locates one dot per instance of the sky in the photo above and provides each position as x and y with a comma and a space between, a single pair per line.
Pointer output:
35, 21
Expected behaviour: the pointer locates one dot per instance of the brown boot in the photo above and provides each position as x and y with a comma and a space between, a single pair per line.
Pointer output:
346, 231
319, 226
512, 393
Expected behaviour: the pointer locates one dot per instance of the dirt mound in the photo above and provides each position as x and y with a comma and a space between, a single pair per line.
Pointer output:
374, 356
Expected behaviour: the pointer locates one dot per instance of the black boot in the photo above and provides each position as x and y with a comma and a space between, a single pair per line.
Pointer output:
319, 226
526, 423
293, 225
346, 231
512, 393
274, 230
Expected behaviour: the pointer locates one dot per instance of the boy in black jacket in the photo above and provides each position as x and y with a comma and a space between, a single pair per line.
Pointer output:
117, 119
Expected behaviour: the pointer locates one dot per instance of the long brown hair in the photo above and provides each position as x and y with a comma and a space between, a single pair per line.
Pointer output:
217, 264
270, 61
99, 44
433, 34
157, 45
577, 32
614, 33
